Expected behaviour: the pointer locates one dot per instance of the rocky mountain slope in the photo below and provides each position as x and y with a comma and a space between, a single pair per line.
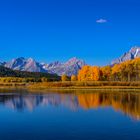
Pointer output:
133, 53
6, 72
23, 64
70, 67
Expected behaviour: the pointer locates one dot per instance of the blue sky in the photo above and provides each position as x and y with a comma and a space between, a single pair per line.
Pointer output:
48, 30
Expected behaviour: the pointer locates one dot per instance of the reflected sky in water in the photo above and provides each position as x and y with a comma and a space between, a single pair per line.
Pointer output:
69, 115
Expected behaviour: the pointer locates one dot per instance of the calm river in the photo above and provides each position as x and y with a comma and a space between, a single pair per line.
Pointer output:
71, 115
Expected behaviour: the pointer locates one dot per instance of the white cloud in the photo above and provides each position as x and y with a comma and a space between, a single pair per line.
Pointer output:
101, 20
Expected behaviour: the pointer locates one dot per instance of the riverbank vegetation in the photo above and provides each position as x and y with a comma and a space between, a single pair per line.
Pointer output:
90, 85
123, 75
125, 72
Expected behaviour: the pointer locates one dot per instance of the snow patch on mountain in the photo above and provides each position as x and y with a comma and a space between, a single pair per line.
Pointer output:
23, 64
133, 53
72, 66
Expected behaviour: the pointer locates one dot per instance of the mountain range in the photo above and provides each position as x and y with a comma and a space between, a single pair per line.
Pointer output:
72, 66
6, 72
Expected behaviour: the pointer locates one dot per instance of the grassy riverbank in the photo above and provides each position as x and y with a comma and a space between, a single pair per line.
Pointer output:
85, 85
69, 85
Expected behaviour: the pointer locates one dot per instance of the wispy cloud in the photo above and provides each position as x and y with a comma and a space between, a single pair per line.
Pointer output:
101, 20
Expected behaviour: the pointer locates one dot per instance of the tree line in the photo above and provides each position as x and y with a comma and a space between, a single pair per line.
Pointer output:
125, 71
8, 75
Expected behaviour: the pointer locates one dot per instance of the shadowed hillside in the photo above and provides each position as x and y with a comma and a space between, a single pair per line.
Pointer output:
6, 72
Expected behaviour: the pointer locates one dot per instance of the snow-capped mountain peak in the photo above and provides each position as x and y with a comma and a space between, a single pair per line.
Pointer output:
70, 67
133, 53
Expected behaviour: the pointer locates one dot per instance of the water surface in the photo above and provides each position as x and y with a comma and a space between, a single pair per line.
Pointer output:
77, 115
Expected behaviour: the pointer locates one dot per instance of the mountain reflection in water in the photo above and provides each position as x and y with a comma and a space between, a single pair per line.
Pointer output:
128, 103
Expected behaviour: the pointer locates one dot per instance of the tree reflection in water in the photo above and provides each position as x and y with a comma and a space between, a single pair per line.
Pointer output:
128, 103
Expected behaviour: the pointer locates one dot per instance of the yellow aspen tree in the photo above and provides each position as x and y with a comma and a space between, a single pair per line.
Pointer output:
64, 77
73, 78
95, 73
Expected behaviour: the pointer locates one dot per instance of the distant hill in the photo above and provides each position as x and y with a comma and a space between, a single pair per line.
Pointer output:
133, 53
6, 72
72, 66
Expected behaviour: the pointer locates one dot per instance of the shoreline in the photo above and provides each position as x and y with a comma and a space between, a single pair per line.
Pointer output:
85, 88
71, 86
25, 88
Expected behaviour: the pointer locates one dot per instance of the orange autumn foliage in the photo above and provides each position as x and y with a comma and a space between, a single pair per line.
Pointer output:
73, 78
125, 71
89, 73
106, 73
64, 77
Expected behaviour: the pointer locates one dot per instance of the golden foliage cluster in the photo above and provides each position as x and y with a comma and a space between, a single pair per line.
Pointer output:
126, 71
64, 77
89, 73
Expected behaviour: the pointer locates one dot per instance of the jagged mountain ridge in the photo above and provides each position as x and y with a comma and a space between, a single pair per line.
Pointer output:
133, 53
6, 72
23, 64
69, 68
72, 66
